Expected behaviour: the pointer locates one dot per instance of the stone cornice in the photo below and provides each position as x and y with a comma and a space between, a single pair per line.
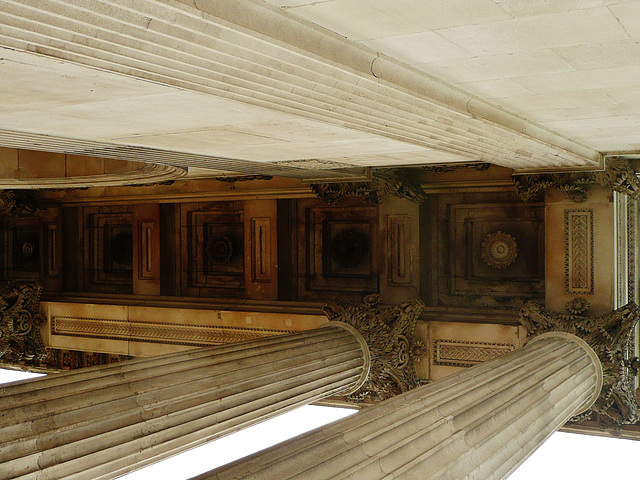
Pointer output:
148, 174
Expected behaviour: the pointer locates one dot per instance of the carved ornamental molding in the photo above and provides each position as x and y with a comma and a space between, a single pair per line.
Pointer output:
137, 331
610, 336
389, 333
456, 353
396, 182
618, 175
20, 341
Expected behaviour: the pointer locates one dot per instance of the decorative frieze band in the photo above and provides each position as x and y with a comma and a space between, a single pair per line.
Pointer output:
578, 261
196, 335
455, 353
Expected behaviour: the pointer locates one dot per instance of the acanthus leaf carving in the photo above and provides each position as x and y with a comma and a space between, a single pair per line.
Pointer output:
20, 341
610, 336
618, 175
20, 203
396, 182
390, 334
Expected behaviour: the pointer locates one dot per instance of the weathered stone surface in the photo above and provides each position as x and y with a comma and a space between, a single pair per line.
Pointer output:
102, 422
480, 423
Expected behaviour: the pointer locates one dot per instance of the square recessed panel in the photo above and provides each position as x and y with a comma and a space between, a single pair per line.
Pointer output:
118, 248
110, 256
457, 272
26, 249
215, 254
223, 249
341, 246
497, 248
346, 249
507, 249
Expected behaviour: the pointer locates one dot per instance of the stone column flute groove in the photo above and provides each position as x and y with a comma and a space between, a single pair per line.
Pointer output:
480, 423
102, 422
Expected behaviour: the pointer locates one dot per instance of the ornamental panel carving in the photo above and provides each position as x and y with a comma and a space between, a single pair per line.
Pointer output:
455, 353
60, 359
499, 249
579, 252
196, 335
399, 235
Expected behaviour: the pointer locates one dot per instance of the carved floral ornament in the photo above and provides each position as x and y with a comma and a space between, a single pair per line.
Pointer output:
20, 341
610, 336
389, 333
618, 175
499, 249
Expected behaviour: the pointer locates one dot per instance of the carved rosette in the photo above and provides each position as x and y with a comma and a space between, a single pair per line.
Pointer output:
219, 248
20, 341
499, 249
610, 336
389, 333
578, 306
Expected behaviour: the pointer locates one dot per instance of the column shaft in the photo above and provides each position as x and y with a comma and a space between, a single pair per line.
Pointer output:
101, 422
478, 424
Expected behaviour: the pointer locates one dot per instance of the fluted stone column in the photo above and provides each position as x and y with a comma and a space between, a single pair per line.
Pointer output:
478, 424
102, 422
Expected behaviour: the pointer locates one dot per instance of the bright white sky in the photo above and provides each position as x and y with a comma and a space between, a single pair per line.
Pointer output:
563, 456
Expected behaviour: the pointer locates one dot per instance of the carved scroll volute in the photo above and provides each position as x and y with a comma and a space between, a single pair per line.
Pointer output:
610, 336
20, 341
389, 333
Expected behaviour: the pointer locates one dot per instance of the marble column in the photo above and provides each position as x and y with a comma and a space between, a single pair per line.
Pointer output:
101, 422
481, 423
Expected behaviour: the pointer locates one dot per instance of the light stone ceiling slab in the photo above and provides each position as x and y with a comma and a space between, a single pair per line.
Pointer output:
572, 66
107, 107
242, 79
